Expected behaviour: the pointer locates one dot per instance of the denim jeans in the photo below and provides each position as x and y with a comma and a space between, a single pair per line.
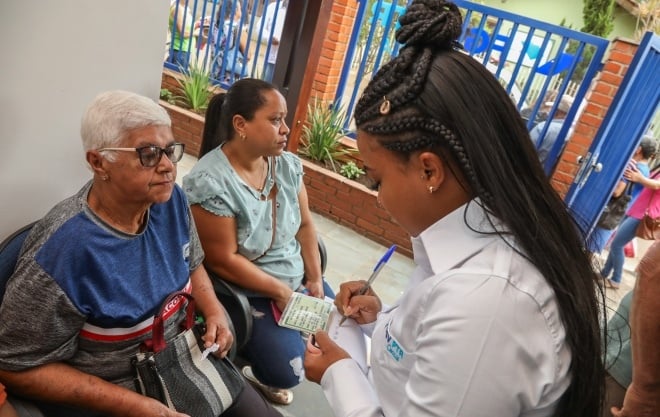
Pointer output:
275, 353
624, 234
179, 58
269, 70
598, 239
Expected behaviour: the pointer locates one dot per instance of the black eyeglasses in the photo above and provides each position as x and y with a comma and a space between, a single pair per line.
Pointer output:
150, 155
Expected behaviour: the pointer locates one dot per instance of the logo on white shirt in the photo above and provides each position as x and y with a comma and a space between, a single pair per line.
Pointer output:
392, 345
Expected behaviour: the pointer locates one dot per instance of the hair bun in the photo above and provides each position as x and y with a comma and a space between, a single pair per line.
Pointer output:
432, 24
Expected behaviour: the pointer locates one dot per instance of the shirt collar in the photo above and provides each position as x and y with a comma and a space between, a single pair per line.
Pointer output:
449, 241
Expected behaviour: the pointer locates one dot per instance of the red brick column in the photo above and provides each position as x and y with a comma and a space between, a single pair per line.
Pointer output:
334, 49
599, 98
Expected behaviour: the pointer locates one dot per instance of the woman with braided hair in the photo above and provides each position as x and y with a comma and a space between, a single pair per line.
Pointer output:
500, 317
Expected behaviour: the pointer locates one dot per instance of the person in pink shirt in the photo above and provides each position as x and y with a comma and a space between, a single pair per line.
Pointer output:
648, 199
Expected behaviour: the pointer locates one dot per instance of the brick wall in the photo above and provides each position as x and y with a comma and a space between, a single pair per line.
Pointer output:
187, 127
352, 205
334, 49
599, 98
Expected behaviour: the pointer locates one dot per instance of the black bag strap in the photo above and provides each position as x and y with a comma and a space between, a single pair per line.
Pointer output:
273, 202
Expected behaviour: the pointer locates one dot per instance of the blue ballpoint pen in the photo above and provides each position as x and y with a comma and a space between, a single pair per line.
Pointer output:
379, 266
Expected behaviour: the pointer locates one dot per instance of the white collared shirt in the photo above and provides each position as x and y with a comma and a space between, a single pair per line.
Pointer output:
477, 333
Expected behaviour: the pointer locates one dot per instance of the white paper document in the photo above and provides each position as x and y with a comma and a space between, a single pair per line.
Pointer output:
309, 314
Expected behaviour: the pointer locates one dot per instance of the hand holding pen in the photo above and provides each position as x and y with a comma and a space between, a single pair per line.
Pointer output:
348, 297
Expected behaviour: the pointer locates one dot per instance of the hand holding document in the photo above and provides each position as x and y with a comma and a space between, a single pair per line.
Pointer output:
310, 314
306, 313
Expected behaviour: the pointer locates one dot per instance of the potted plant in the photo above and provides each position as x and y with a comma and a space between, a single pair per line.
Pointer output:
195, 87
335, 183
185, 96
321, 135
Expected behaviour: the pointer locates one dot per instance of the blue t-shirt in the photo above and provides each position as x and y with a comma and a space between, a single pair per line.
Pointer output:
637, 188
117, 279
85, 293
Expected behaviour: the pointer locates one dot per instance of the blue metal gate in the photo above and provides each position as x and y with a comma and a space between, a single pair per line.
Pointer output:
628, 118
535, 61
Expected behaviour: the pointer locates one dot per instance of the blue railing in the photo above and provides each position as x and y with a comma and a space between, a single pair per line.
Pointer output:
228, 39
533, 60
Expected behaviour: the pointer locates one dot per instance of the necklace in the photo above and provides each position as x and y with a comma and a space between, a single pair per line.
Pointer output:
110, 218
261, 179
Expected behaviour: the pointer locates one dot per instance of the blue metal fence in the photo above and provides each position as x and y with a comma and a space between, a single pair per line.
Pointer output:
228, 39
535, 61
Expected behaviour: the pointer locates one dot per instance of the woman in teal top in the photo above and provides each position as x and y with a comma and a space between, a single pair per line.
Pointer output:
250, 206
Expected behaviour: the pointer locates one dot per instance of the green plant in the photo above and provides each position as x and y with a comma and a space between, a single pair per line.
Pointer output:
598, 18
350, 170
321, 135
195, 86
167, 95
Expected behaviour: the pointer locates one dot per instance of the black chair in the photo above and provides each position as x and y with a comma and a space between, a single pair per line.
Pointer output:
10, 248
236, 303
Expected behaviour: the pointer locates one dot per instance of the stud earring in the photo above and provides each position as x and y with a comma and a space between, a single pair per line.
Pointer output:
104, 177
243, 136
431, 189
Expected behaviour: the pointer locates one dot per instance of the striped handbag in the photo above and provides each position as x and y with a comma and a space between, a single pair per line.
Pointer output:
176, 374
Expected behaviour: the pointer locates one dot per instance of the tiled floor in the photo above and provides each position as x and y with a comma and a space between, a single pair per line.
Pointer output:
351, 256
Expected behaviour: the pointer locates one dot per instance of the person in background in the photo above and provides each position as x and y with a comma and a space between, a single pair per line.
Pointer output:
93, 272
644, 152
546, 105
618, 357
648, 199
228, 42
181, 30
273, 22
250, 204
554, 127
495, 320
633, 356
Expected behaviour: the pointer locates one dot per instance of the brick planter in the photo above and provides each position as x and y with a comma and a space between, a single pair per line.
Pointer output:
187, 127
353, 205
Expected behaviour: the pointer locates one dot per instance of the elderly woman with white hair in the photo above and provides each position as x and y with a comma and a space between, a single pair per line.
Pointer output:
95, 270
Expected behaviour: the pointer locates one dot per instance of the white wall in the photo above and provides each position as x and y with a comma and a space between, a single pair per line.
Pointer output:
56, 56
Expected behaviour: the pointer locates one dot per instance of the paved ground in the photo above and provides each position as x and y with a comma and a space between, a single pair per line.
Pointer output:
351, 256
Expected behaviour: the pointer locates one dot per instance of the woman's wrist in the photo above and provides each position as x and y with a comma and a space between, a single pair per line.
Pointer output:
283, 294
